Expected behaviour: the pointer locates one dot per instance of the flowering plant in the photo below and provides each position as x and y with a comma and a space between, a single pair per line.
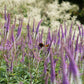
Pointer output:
23, 60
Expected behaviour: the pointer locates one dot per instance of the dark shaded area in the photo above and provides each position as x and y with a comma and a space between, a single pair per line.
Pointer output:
80, 12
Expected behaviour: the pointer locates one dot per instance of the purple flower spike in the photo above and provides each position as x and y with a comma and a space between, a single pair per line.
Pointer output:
28, 30
70, 31
53, 80
76, 46
33, 25
73, 36
48, 37
37, 29
5, 15
8, 23
41, 36
12, 33
82, 31
62, 31
49, 46
58, 42
65, 29
19, 29
30, 42
79, 30
64, 68
74, 67
28, 27
54, 37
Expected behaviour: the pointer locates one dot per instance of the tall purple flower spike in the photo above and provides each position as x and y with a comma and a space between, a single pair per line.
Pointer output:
73, 66
28, 30
5, 15
76, 46
37, 29
48, 40
54, 37
65, 29
8, 23
19, 29
58, 42
12, 33
41, 36
73, 36
70, 31
48, 49
64, 68
30, 43
33, 25
28, 27
82, 31
62, 31
52, 67
79, 30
